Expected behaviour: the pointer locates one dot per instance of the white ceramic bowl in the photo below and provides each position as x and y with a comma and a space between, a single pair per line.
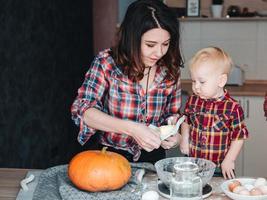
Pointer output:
235, 196
262, 13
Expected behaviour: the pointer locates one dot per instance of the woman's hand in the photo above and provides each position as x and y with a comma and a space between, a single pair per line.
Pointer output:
171, 141
174, 140
145, 137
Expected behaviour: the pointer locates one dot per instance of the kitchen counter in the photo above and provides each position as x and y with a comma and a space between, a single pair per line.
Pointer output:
10, 184
250, 88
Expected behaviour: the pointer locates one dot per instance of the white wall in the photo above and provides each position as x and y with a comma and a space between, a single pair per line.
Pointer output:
245, 41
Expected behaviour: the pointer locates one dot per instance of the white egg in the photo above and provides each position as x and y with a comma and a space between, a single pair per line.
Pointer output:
260, 182
263, 189
255, 192
244, 192
150, 195
238, 188
249, 186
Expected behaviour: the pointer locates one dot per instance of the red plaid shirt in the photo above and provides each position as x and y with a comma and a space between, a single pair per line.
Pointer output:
214, 123
106, 88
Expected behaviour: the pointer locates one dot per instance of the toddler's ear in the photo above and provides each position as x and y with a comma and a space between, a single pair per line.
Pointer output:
222, 80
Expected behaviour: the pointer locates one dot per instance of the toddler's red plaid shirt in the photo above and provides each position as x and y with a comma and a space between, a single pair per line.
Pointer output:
106, 88
214, 124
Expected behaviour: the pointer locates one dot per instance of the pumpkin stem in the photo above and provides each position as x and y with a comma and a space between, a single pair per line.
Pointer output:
104, 150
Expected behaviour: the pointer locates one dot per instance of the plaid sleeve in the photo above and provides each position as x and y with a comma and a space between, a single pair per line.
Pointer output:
239, 129
90, 95
174, 103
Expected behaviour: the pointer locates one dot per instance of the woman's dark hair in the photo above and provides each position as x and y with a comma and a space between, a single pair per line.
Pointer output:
138, 20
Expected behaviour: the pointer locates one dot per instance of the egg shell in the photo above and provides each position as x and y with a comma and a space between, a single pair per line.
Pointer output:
255, 192
238, 188
244, 192
249, 186
233, 184
260, 182
150, 195
263, 189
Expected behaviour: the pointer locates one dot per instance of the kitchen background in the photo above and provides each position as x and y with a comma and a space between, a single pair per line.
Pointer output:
205, 5
46, 47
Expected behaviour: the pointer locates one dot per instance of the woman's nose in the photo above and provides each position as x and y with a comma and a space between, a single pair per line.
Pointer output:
159, 52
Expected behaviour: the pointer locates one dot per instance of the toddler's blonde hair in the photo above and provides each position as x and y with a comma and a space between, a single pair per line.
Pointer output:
214, 54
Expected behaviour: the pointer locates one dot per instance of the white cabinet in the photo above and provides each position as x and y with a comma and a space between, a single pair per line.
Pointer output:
244, 40
252, 161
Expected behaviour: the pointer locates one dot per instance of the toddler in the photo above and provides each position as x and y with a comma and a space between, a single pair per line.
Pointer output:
214, 128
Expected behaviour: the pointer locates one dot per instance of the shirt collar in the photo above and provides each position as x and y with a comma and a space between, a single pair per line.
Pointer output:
218, 99
159, 76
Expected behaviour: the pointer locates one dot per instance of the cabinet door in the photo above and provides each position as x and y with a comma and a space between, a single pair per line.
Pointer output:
239, 163
255, 148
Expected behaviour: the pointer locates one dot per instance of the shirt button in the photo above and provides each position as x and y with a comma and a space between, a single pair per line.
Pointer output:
203, 140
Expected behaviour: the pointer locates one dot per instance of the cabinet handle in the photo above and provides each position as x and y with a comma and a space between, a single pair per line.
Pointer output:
247, 108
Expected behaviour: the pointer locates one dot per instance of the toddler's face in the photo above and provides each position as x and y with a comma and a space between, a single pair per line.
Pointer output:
206, 80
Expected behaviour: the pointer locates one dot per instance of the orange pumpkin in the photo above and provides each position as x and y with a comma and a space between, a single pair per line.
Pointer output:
96, 171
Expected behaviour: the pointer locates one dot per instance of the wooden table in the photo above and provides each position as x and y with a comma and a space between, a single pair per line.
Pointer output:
10, 184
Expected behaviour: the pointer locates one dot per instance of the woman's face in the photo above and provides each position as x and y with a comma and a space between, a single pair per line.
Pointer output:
154, 45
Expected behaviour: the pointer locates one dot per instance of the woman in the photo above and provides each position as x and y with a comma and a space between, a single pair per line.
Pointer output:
134, 84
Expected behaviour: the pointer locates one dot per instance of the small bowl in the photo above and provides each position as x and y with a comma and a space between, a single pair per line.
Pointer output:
262, 13
165, 168
235, 196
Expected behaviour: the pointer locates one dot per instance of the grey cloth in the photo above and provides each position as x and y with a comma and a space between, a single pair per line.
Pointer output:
54, 184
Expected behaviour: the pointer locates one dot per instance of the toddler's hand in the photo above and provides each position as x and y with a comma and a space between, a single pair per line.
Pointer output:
228, 167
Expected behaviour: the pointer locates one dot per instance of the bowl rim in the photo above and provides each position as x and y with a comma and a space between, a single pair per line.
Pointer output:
172, 158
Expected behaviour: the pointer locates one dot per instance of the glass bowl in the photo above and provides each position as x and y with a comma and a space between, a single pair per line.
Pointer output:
165, 169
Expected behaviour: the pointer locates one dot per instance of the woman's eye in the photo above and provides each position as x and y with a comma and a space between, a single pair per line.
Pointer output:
166, 44
202, 82
150, 45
